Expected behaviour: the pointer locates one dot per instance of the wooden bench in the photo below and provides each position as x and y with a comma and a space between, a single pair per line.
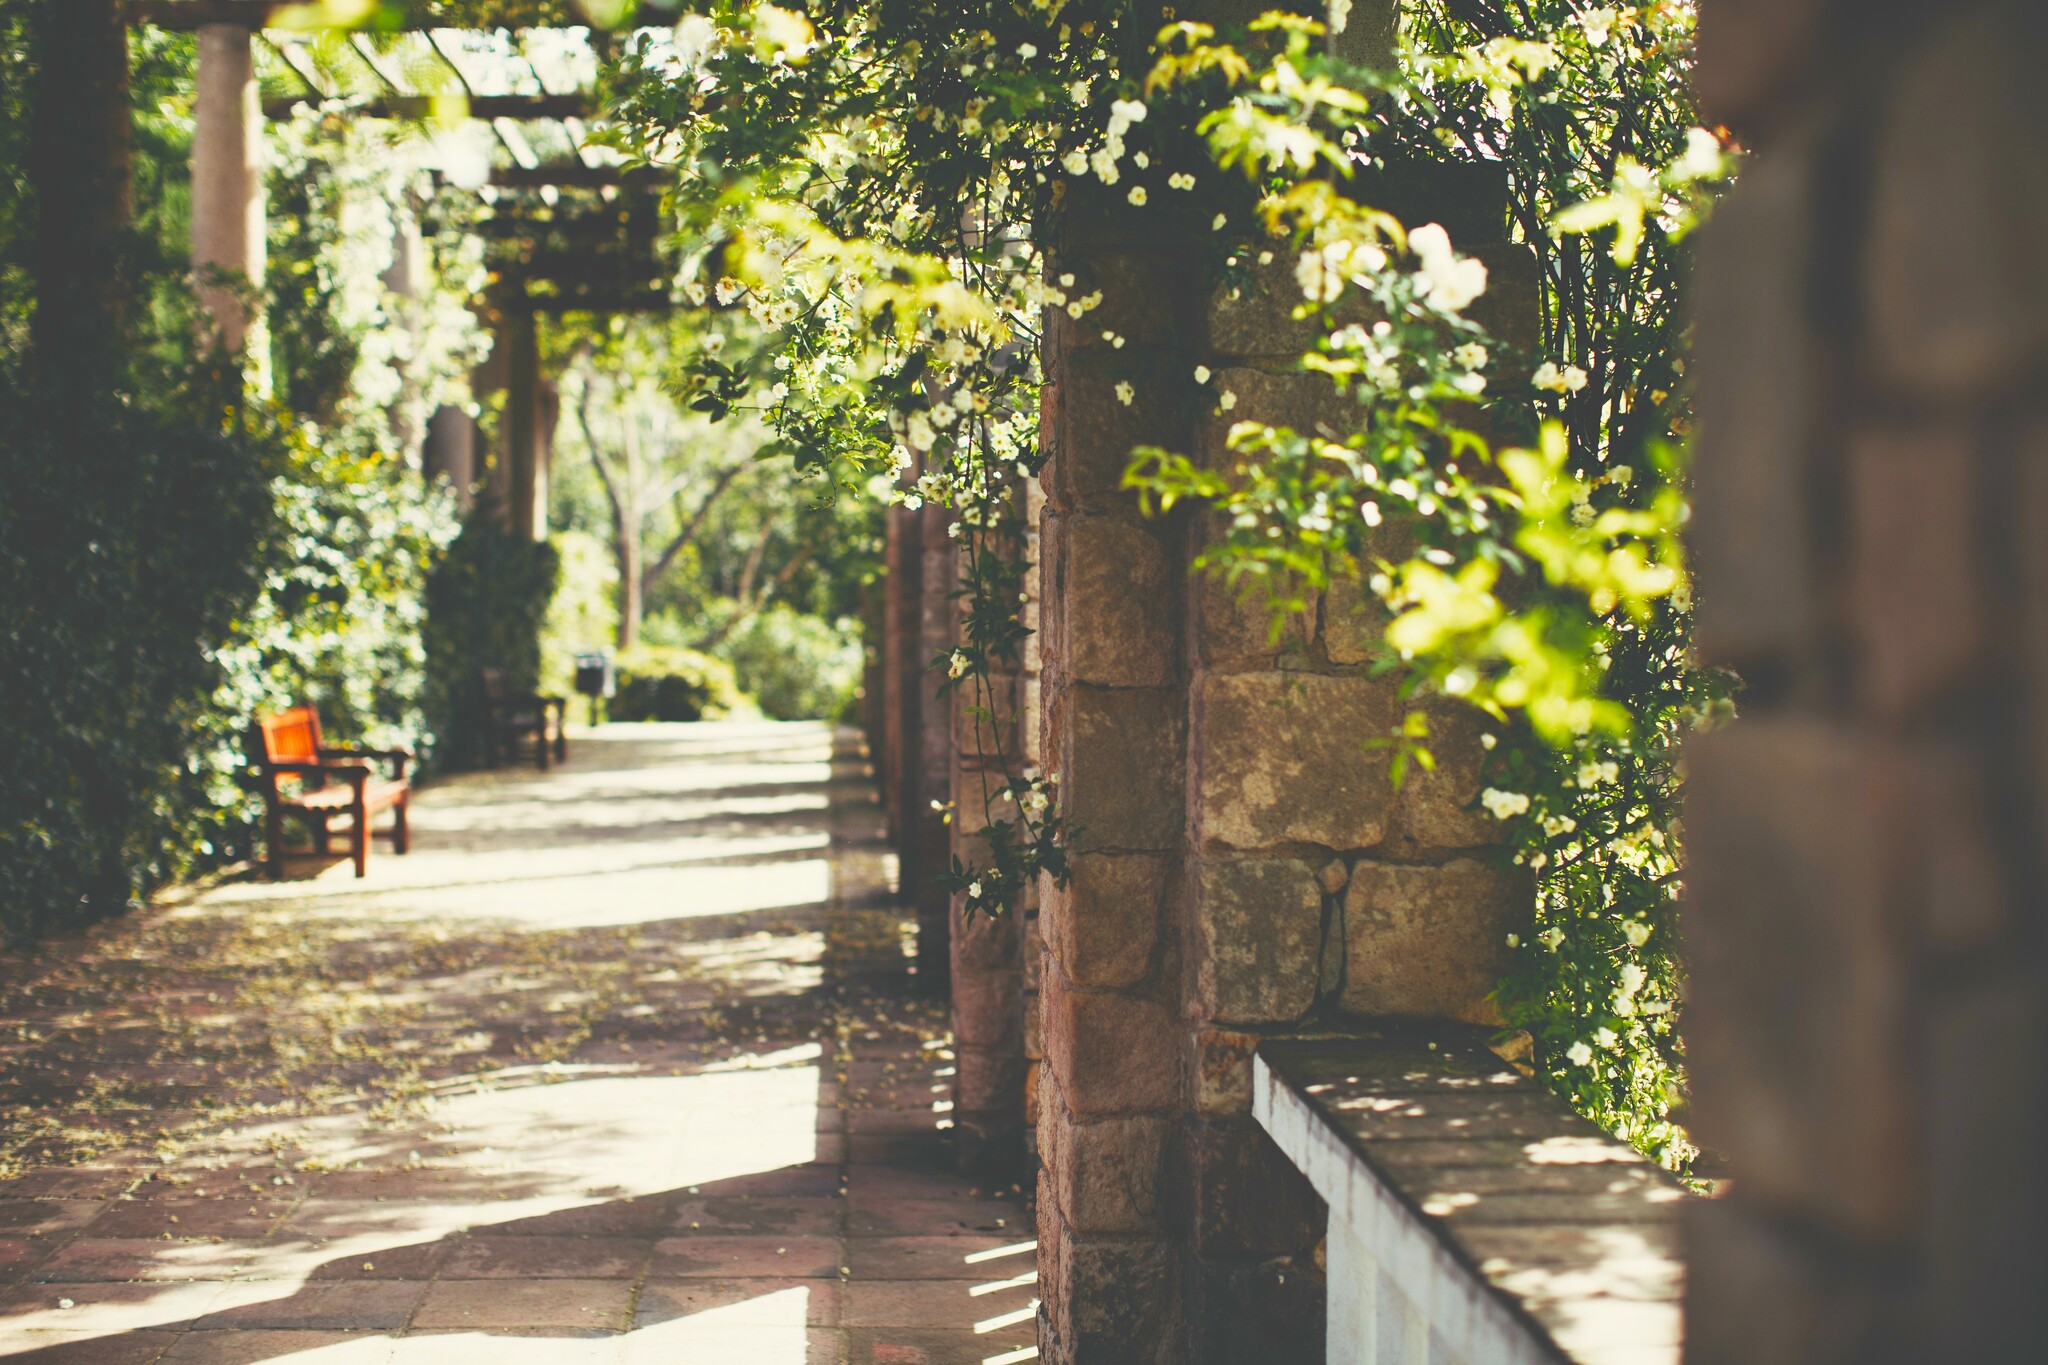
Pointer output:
512, 715
298, 775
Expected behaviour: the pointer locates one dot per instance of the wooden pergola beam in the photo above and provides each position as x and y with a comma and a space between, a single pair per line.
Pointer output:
522, 107
255, 14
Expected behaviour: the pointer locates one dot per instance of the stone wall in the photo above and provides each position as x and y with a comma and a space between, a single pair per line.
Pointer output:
988, 968
1866, 1020
1243, 868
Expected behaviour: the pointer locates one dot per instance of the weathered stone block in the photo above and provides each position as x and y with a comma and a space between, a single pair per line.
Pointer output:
1232, 628
1429, 941
1121, 1305
1434, 809
1112, 1054
1301, 401
1249, 1200
1146, 300
1258, 932
987, 1082
1223, 1071
1121, 764
1283, 761
1956, 277
988, 1009
1913, 499
1252, 316
1122, 588
1103, 925
1108, 1174
1798, 1030
986, 721
1098, 430
1355, 621
1761, 379
985, 944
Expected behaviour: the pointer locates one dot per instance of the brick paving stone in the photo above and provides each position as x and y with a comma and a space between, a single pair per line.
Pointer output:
753, 1257
88, 1348
668, 1173
545, 1258
933, 1258
380, 1305
737, 1300
594, 1304
257, 1347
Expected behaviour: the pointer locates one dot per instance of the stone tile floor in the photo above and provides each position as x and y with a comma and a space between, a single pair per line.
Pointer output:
622, 1064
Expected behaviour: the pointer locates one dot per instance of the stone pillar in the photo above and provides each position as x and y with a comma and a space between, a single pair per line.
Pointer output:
450, 452
1030, 943
522, 466
227, 185
1867, 1018
897, 641
1244, 867
931, 751
988, 1012
1114, 1087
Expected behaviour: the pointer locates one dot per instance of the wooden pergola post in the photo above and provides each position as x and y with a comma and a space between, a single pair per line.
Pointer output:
228, 247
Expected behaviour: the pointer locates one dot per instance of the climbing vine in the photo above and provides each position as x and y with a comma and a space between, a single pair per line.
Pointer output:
874, 183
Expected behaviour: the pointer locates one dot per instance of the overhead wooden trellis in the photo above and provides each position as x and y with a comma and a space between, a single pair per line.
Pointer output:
569, 233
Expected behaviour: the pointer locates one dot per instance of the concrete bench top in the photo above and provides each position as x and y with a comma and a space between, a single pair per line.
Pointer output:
1495, 1223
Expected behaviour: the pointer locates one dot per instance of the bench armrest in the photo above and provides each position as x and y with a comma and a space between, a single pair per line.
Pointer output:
397, 757
354, 773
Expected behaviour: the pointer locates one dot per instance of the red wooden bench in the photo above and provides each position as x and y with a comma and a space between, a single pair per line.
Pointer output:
300, 776
512, 716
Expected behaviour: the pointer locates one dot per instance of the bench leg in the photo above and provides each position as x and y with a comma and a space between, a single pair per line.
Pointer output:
540, 742
318, 824
562, 733
401, 824
359, 839
273, 848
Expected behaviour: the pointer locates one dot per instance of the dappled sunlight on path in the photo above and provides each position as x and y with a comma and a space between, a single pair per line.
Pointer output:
619, 1065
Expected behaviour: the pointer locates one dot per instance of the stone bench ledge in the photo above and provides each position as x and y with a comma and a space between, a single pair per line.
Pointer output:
1474, 1218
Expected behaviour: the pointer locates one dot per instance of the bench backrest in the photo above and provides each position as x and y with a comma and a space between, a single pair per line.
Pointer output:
291, 736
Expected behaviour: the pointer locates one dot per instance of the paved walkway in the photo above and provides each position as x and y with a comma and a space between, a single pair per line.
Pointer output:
620, 1065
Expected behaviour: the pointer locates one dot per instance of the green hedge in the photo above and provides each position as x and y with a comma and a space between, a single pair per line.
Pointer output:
660, 682
129, 546
487, 601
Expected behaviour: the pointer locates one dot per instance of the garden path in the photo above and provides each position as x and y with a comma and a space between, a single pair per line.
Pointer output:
621, 1064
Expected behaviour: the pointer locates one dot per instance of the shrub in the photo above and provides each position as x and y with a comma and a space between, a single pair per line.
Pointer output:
128, 547
662, 682
584, 614
486, 603
798, 667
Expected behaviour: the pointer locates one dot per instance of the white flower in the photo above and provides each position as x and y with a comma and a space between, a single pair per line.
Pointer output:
1140, 160
1226, 400
1548, 377
1504, 804
1124, 392
727, 289
1201, 374
1216, 223
954, 669
1578, 1054
1605, 1038
918, 433
1632, 978
1137, 196
1448, 280
1552, 936
1103, 163
1514, 940
1027, 51
1123, 113
1702, 156
1598, 23
1471, 355
1181, 180
1079, 90
974, 891
1371, 512
1636, 932
1076, 162
1574, 378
